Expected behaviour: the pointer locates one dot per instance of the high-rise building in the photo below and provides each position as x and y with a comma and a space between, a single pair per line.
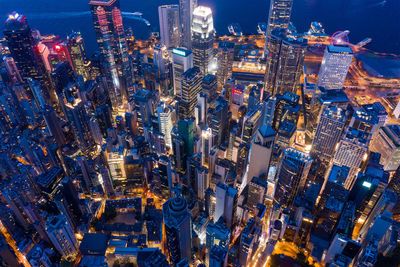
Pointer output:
190, 88
23, 48
170, 27
218, 120
226, 202
218, 257
367, 190
79, 119
62, 236
178, 229
206, 144
164, 167
12, 69
251, 122
351, 151
186, 131
284, 62
287, 108
209, 88
217, 234
387, 143
256, 192
328, 133
225, 57
268, 110
113, 46
341, 244
248, 241
186, 15
334, 67
292, 175
165, 122
182, 60
77, 52
261, 147
144, 107
163, 65
202, 38
279, 15
53, 125
321, 98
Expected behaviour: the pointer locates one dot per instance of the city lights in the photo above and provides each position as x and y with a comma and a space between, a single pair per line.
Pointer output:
188, 147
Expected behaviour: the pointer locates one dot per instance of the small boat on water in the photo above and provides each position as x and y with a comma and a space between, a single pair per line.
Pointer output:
262, 27
235, 29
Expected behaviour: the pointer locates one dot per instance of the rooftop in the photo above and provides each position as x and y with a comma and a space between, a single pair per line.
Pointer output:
297, 154
181, 52
202, 11
266, 131
16, 21
342, 49
94, 244
102, 2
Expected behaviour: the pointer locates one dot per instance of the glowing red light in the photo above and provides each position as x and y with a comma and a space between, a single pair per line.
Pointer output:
57, 47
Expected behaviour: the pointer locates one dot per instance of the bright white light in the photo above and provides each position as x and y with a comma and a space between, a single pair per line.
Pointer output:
367, 184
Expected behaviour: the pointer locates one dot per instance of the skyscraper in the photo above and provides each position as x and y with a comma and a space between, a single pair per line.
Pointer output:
268, 110
328, 133
53, 125
186, 132
170, 28
23, 48
186, 14
202, 38
279, 15
165, 122
226, 202
334, 67
164, 167
256, 192
62, 236
387, 143
225, 56
292, 174
351, 151
77, 52
218, 120
190, 88
111, 39
261, 147
284, 62
182, 61
218, 256
79, 119
217, 234
178, 229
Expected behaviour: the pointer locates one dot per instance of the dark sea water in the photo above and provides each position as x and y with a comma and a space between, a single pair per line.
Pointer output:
378, 19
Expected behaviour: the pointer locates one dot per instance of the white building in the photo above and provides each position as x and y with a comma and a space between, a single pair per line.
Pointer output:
170, 28
186, 14
62, 236
387, 143
165, 122
202, 38
334, 67
226, 202
351, 151
260, 152
328, 132
182, 61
